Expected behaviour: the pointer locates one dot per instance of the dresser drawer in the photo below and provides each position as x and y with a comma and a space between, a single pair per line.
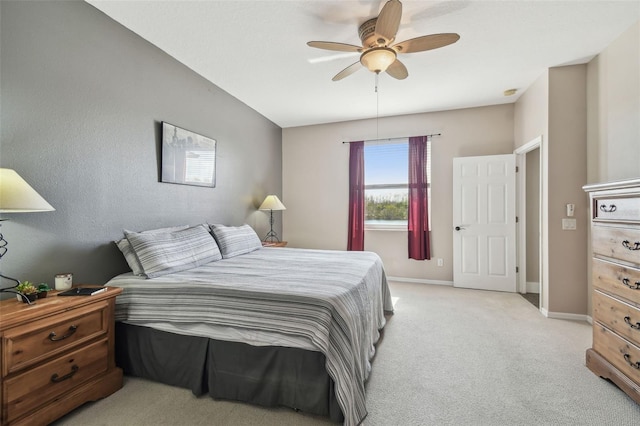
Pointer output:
624, 355
618, 280
38, 386
617, 243
624, 209
620, 317
31, 343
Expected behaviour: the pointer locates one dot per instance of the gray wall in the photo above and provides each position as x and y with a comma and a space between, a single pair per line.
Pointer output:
82, 99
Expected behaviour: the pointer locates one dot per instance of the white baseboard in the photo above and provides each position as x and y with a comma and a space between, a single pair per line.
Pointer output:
420, 281
533, 287
564, 315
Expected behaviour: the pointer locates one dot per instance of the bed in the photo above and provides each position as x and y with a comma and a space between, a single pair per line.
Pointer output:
270, 326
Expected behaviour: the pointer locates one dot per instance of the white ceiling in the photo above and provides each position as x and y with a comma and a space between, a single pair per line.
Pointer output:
257, 52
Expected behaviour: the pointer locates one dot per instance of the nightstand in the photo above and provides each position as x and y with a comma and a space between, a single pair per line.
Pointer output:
56, 355
274, 244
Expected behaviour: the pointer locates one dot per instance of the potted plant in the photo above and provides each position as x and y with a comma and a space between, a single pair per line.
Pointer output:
43, 290
27, 289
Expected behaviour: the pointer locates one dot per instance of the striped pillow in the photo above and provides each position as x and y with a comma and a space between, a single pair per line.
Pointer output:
235, 240
130, 256
164, 253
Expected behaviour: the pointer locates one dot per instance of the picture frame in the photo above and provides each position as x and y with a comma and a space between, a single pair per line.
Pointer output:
188, 158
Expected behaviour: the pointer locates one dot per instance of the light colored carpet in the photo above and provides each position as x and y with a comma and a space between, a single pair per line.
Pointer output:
447, 357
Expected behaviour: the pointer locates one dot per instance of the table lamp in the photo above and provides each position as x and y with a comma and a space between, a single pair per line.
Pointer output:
17, 196
272, 203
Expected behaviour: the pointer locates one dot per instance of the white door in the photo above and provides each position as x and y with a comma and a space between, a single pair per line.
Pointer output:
484, 222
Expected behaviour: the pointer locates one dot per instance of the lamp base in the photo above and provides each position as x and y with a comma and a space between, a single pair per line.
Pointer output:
3, 251
3, 243
271, 237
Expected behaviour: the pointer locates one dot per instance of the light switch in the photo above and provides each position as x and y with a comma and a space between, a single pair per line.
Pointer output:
568, 224
571, 208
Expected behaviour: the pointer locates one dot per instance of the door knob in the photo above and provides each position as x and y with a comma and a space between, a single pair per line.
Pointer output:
457, 228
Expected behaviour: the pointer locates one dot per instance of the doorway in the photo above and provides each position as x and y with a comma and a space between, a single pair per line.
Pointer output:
529, 233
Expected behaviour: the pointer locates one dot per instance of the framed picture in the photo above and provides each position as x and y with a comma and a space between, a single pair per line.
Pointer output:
187, 158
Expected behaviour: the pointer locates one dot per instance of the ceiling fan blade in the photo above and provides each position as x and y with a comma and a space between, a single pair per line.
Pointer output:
428, 42
333, 57
389, 20
329, 45
347, 71
397, 70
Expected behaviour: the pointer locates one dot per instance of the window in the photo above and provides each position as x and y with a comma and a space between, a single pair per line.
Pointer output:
386, 176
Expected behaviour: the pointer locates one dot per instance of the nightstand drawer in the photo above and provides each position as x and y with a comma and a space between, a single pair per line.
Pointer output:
620, 317
38, 386
30, 343
615, 279
617, 243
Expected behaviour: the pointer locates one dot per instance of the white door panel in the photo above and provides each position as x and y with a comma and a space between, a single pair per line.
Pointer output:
484, 236
470, 255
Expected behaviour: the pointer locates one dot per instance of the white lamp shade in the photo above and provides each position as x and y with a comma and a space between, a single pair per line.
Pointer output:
17, 196
272, 202
378, 59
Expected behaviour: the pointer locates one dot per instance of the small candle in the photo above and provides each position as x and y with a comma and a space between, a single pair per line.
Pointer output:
64, 281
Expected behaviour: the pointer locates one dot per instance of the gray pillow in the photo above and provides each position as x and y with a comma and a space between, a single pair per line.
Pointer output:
235, 240
130, 255
165, 253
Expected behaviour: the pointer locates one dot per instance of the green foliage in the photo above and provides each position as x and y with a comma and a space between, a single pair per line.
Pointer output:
25, 287
43, 287
386, 208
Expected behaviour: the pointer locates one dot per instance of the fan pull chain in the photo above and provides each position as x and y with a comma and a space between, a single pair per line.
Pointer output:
377, 108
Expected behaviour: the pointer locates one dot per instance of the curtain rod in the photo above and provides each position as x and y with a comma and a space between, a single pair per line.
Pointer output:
389, 139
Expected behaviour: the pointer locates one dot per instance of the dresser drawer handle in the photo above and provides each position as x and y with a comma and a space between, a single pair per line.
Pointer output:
56, 379
627, 282
636, 364
626, 244
612, 208
53, 338
628, 321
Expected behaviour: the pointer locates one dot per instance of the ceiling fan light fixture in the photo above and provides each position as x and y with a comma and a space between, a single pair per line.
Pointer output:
378, 59
378, 53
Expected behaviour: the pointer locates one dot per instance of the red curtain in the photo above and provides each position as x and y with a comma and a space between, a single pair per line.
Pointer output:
418, 223
356, 197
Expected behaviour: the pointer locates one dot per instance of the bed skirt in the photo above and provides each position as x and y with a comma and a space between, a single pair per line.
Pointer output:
263, 375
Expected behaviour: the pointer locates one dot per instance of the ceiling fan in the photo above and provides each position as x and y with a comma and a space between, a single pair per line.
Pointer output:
377, 52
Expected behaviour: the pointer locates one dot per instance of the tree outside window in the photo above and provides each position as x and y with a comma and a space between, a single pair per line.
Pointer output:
386, 183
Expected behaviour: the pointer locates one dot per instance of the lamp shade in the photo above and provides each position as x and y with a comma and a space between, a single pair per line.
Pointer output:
17, 196
378, 59
272, 202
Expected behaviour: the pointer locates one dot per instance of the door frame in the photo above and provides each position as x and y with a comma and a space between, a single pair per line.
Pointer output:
521, 209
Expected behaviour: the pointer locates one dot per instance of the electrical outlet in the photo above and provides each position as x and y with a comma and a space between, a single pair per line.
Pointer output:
568, 224
440, 262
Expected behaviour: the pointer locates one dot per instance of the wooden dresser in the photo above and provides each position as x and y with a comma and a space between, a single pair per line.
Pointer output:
56, 355
615, 240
